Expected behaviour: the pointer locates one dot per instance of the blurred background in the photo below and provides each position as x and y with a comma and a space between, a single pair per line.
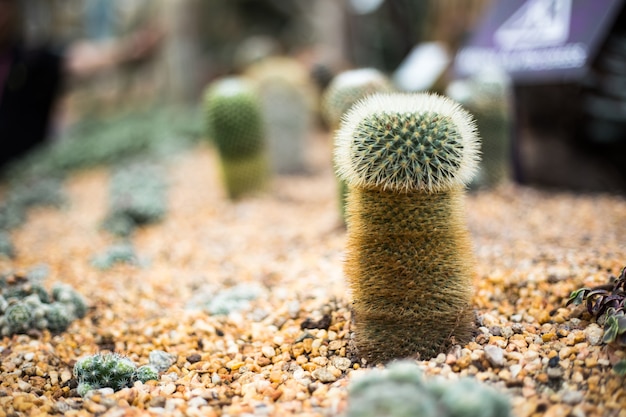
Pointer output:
556, 130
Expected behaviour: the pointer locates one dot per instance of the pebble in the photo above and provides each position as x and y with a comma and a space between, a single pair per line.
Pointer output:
495, 355
593, 334
324, 375
572, 397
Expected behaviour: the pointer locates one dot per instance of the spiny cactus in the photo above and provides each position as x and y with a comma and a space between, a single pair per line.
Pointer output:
104, 370
343, 92
26, 306
112, 370
235, 124
401, 391
409, 263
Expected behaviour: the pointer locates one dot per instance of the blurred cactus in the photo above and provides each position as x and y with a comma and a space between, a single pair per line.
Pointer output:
406, 159
116, 254
27, 306
401, 391
137, 196
286, 97
235, 124
343, 92
349, 87
487, 97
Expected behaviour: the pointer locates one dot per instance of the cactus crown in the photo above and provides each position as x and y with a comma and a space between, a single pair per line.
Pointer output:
407, 142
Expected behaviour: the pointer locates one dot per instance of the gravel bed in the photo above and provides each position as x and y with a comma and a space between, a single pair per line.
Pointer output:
250, 297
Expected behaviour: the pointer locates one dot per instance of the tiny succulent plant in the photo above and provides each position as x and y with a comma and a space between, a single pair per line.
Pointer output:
607, 304
406, 159
27, 306
112, 370
235, 125
118, 253
400, 390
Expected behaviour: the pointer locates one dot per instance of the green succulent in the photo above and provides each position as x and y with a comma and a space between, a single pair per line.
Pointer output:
104, 370
147, 373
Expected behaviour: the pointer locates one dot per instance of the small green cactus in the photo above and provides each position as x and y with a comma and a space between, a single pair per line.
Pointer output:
19, 317
112, 370
400, 390
235, 124
104, 370
406, 159
117, 253
346, 89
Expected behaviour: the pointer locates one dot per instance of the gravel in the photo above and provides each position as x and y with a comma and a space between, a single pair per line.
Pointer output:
287, 352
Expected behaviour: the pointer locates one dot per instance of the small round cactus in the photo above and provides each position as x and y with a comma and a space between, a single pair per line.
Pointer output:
406, 159
18, 317
104, 370
147, 373
235, 124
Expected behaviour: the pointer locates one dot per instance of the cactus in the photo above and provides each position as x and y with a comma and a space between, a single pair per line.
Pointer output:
115, 254
487, 97
343, 92
137, 196
400, 390
285, 93
406, 159
235, 124
104, 370
112, 370
26, 306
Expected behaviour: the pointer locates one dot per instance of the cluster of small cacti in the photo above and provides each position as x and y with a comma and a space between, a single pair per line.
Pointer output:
235, 125
400, 390
137, 196
26, 305
406, 159
112, 370
487, 97
346, 89
118, 253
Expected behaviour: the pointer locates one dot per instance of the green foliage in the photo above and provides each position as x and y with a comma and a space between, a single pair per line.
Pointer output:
112, 370
27, 306
401, 391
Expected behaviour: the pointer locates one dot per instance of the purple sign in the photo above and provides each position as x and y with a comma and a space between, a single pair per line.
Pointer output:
539, 40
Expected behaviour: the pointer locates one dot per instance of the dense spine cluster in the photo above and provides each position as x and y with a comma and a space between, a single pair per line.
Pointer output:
406, 159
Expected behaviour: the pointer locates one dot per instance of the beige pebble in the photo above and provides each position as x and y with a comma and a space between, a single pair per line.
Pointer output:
168, 389
324, 375
268, 351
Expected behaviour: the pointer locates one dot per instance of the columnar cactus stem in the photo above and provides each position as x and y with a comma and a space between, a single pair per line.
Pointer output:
409, 263
235, 124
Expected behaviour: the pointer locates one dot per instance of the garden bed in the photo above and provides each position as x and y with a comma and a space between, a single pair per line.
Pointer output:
277, 343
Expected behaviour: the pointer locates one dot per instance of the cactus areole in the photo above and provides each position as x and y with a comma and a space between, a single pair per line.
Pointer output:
407, 159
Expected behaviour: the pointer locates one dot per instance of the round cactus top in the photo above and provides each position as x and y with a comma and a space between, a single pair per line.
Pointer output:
349, 87
407, 142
